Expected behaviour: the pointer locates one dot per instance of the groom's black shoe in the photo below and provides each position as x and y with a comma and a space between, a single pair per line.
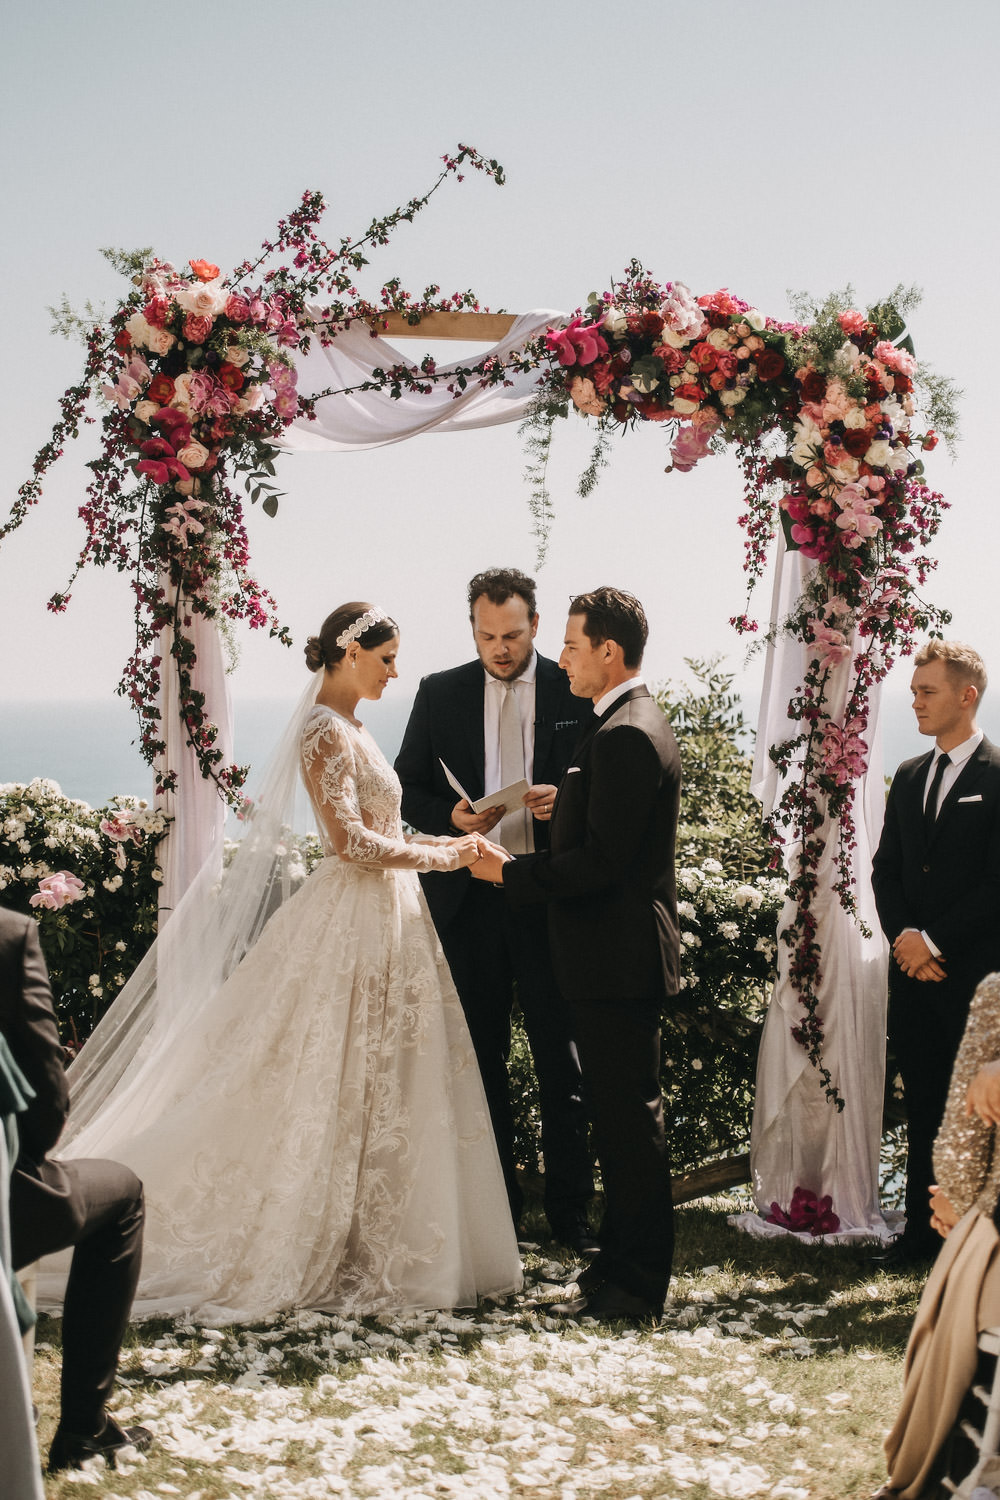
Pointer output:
70, 1450
610, 1304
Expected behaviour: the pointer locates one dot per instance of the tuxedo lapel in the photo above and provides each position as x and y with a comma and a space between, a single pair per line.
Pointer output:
546, 685
964, 784
470, 736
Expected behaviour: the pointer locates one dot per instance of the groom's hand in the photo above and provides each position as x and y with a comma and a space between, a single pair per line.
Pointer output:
467, 821
490, 867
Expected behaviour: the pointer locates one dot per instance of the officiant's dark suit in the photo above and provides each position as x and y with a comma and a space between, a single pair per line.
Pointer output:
96, 1206
486, 951
940, 877
607, 880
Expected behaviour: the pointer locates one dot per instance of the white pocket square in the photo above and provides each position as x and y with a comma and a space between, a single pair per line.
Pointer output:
976, 798
570, 770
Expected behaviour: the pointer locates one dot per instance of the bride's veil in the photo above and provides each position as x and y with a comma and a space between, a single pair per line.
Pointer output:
124, 1067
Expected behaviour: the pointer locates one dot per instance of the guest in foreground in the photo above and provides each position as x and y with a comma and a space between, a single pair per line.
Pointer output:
95, 1206
962, 1295
309, 1121
936, 877
507, 716
608, 881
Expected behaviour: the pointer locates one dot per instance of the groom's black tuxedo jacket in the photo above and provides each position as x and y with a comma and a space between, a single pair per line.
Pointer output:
608, 874
948, 885
446, 723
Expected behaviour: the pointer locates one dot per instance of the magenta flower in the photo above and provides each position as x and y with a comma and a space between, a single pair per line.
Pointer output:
578, 343
57, 890
806, 1212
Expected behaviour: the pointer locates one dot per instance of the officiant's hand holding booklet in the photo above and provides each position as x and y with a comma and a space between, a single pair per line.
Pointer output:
510, 798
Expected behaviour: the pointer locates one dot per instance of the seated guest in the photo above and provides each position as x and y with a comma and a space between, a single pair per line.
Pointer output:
962, 1295
95, 1206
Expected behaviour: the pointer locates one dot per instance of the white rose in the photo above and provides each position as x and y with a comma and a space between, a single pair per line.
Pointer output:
138, 330
615, 321
733, 397
182, 393
755, 318
193, 455
237, 355
675, 340
720, 338
878, 454
203, 298
855, 418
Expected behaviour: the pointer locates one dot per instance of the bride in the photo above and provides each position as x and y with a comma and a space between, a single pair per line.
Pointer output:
309, 1122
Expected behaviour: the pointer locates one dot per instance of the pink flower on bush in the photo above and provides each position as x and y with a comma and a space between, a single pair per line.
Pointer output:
57, 890
690, 444
831, 645
844, 752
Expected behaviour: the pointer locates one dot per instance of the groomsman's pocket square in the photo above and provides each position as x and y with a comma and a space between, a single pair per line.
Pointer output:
976, 798
570, 770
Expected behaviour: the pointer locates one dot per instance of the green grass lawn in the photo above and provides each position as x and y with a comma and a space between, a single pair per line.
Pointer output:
775, 1373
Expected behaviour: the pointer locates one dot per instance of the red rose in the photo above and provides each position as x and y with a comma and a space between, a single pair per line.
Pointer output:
770, 363
813, 386
161, 389
621, 411
652, 323
857, 441
204, 270
704, 356
122, 341
155, 312
930, 441
689, 392
230, 377
901, 384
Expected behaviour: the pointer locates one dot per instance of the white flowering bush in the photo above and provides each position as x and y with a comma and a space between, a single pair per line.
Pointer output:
90, 876
711, 1031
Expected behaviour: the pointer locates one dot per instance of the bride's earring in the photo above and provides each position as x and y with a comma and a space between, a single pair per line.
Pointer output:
354, 662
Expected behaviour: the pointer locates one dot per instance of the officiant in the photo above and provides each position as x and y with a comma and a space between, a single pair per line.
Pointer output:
506, 716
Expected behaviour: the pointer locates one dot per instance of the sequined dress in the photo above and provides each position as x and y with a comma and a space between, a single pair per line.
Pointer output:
323, 1140
962, 1295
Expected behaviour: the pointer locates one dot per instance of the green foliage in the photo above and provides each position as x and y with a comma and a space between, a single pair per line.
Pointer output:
720, 817
91, 944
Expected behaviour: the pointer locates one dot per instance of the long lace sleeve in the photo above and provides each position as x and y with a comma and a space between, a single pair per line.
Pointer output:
965, 1157
355, 795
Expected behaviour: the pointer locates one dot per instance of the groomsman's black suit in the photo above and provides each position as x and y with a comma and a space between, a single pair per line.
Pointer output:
96, 1206
608, 881
485, 950
949, 887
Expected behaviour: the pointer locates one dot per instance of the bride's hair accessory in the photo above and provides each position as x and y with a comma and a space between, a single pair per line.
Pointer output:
362, 624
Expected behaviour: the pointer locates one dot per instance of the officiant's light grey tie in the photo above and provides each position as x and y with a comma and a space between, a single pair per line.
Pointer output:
513, 830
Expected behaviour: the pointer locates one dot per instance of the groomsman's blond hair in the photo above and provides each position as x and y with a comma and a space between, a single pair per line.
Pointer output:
962, 663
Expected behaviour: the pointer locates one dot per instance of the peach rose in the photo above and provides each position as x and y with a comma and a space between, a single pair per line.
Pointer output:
205, 299
194, 455
144, 410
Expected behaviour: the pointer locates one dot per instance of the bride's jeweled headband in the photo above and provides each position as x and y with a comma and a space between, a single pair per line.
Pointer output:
361, 624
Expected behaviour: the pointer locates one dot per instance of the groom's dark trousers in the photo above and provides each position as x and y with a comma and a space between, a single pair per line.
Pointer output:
947, 885
487, 952
607, 880
95, 1206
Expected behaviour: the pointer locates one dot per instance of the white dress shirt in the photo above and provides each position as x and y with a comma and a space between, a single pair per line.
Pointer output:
613, 694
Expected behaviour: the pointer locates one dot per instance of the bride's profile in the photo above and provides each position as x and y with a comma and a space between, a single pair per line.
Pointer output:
293, 1078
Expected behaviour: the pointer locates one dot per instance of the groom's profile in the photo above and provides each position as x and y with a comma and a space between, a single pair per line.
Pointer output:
607, 879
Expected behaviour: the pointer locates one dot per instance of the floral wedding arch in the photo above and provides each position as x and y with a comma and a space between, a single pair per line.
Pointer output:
204, 379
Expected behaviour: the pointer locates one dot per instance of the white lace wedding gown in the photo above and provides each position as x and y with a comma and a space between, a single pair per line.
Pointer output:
322, 1139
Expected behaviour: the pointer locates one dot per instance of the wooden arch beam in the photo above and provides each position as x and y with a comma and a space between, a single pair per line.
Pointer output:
474, 327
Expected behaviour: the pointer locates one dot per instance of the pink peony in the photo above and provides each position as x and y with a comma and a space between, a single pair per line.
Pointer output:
583, 394
852, 322
57, 890
197, 328
895, 359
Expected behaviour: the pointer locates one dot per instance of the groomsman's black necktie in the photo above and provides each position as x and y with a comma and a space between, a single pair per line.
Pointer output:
931, 805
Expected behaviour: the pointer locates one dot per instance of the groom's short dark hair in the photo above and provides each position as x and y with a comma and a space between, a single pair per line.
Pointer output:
612, 615
500, 584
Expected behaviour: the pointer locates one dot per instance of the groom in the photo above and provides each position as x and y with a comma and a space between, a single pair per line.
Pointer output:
607, 879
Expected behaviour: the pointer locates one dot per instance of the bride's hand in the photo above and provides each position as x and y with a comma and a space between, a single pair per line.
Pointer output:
468, 848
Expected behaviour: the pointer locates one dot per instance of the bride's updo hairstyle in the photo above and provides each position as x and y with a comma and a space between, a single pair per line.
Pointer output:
348, 623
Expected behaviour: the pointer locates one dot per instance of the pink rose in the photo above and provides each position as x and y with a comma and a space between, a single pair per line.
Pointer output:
57, 890
237, 308
203, 298
194, 455
197, 328
160, 341
583, 394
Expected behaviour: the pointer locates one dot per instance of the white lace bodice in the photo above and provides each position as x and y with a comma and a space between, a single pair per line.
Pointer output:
356, 794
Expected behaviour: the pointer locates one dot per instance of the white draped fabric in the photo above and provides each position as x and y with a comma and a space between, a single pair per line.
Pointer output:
197, 809
369, 419
799, 1139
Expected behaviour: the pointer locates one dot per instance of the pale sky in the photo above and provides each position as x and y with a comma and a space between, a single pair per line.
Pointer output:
765, 147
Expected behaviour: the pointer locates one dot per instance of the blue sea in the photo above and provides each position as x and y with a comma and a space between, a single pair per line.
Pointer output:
88, 748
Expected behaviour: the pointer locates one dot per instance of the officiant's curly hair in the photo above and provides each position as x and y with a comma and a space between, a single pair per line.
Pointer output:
500, 584
612, 615
322, 650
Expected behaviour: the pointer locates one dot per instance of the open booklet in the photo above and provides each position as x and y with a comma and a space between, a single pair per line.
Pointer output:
510, 798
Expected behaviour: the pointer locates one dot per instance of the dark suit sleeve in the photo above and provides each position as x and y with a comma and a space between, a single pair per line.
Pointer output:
424, 807
33, 1037
887, 872
625, 773
975, 914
